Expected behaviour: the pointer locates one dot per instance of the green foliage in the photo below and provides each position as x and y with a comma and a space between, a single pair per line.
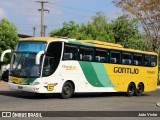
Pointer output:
147, 12
121, 30
96, 29
126, 32
124, 29
8, 37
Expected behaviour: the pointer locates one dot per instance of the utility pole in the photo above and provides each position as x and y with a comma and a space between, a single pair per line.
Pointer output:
42, 16
34, 31
45, 26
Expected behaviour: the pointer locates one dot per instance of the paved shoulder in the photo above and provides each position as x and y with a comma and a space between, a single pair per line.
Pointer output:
3, 86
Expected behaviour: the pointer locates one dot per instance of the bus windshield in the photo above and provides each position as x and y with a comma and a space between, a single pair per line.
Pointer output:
30, 46
23, 65
23, 59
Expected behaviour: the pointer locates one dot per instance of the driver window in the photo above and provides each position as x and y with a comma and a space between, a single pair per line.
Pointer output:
52, 58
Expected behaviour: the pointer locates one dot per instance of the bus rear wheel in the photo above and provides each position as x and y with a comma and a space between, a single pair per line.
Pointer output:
139, 90
131, 89
67, 90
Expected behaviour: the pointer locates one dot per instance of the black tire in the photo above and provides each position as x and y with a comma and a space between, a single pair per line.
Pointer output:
67, 90
139, 89
131, 90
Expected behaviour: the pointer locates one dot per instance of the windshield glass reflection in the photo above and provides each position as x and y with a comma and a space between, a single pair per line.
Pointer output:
23, 65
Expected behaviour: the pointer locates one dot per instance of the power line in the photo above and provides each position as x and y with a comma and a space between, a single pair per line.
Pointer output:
42, 16
68, 7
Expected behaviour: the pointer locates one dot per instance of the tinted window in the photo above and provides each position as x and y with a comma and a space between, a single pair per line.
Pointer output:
153, 61
70, 52
137, 59
101, 55
146, 60
52, 58
115, 57
86, 53
126, 58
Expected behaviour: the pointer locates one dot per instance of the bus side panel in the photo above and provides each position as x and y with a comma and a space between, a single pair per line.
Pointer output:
151, 76
122, 75
87, 76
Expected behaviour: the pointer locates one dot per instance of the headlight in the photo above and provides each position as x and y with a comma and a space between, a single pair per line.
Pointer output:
34, 83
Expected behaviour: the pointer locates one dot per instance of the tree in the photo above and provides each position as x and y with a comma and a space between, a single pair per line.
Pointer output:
147, 12
126, 33
103, 28
97, 29
67, 30
8, 36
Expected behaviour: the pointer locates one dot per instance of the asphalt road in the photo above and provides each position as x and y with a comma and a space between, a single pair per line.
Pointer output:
23, 101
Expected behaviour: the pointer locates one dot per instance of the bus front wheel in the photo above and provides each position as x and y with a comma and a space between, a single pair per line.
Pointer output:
67, 90
131, 89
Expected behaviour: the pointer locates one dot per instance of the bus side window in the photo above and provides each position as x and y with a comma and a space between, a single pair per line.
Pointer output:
68, 56
138, 59
136, 62
70, 52
113, 60
115, 57
86, 53
146, 60
153, 61
100, 55
126, 58
97, 58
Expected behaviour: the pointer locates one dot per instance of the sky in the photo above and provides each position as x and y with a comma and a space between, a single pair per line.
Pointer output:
25, 15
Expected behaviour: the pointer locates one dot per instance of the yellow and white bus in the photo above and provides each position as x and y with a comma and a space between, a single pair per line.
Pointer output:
54, 65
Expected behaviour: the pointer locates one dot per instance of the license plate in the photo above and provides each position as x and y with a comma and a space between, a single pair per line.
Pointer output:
20, 87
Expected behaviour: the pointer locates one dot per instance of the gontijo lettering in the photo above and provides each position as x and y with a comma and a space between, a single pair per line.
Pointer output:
126, 70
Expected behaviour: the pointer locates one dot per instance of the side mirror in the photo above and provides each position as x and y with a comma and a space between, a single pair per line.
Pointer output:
5, 52
38, 56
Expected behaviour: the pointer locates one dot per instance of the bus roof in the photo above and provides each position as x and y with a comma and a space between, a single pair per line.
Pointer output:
114, 46
96, 43
44, 39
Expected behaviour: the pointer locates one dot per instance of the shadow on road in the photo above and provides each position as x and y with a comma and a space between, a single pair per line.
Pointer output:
27, 95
